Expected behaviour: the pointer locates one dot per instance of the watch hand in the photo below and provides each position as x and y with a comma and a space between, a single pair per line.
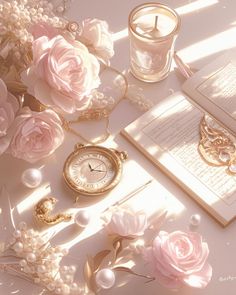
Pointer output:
90, 167
99, 170
98, 166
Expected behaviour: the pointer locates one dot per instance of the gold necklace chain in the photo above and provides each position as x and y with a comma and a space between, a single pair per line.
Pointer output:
94, 114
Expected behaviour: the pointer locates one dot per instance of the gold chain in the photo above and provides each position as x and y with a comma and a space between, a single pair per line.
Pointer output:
66, 124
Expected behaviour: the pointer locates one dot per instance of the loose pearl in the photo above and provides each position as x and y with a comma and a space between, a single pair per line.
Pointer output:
105, 278
18, 247
31, 177
82, 218
195, 219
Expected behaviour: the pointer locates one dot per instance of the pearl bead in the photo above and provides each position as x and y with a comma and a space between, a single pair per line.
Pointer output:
65, 289
27, 269
18, 247
41, 268
23, 263
53, 256
64, 268
58, 291
71, 269
105, 278
31, 177
82, 218
33, 242
74, 287
68, 279
195, 219
17, 234
30, 233
51, 286
31, 257
22, 225
60, 9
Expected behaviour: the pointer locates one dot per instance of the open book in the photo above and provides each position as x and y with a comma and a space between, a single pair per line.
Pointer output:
214, 89
197, 151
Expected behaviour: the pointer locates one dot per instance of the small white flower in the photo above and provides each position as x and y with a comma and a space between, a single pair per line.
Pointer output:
125, 223
96, 36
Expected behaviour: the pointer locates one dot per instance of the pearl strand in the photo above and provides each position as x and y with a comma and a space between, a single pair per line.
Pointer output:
40, 262
136, 96
17, 16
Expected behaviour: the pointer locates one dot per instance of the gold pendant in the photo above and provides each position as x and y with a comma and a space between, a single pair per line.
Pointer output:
217, 146
43, 211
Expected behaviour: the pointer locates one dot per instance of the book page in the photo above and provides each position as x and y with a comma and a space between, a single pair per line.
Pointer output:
213, 88
220, 88
177, 132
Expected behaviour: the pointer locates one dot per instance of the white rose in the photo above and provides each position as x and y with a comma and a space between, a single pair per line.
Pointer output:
126, 223
96, 36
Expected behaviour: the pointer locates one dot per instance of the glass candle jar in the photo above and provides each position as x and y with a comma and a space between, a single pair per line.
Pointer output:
153, 29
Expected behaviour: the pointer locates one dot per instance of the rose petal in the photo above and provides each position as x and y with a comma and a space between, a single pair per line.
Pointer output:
199, 279
63, 73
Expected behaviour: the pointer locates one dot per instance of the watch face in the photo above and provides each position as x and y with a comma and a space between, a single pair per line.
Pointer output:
92, 170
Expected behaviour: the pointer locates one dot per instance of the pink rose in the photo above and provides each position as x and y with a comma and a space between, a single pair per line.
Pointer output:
97, 37
8, 109
126, 223
37, 135
179, 258
62, 74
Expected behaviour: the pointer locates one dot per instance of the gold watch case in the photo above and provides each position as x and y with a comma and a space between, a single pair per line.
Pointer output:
93, 170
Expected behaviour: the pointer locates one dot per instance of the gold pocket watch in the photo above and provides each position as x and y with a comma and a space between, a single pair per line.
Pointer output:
93, 170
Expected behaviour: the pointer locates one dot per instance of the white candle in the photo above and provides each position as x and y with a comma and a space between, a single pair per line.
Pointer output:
153, 28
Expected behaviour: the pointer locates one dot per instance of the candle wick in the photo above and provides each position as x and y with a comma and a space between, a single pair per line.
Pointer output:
156, 21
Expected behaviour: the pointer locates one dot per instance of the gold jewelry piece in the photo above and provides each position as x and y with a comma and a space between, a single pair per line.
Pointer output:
43, 210
217, 146
93, 170
103, 101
